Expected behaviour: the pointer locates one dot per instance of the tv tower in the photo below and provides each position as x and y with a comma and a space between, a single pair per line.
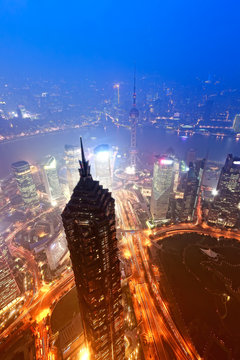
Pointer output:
133, 117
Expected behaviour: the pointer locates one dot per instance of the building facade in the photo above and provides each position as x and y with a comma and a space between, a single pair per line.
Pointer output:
162, 187
89, 223
25, 184
9, 289
51, 180
225, 209
72, 157
102, 156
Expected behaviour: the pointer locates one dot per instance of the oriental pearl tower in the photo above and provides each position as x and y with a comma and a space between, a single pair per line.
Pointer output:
133, 118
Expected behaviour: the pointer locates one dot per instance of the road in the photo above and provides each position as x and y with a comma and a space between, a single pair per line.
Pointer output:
158, 329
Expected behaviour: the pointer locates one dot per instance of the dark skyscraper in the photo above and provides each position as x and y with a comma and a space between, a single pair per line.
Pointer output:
89, 222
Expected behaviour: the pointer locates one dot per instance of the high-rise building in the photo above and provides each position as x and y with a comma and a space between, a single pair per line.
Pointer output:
191, 187
51, 180
191, 156
9, 289
225, 209
133, 118
26, 186
162, 187
72, 157
236, 123
103, 171
89, 223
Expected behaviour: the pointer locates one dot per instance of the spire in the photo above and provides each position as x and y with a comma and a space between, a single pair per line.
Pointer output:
134, 87
84, 166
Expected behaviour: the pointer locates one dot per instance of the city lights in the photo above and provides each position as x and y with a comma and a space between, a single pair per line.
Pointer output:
166, 162
84, 354
102, 156
214, 192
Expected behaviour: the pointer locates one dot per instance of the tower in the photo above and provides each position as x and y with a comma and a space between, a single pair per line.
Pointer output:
72, 156
163, 181
26, 186
103, 166
51, 180
236, 123
89, 223
133, 117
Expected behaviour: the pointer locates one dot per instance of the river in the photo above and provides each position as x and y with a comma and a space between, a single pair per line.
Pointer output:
150, 141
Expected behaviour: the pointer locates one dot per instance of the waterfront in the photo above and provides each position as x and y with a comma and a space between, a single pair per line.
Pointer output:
150, 141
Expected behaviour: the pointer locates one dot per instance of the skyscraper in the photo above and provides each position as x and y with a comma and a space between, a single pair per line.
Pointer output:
236, 123
72, 157
9, 289
26, 186
191, 190
163, 180
225, 209
133, 118
51, 180
89, 222
103, 166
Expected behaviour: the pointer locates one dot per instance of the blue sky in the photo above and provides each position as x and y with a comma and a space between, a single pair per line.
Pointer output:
175, 39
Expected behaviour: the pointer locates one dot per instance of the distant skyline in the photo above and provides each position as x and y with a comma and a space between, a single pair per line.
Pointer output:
177, 40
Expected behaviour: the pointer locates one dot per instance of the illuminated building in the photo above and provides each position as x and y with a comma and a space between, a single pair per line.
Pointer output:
236, 123
103, 166
133, 118
162, 187
72, 157
51, 181
56, 251
89, 222
225, 207
26, 186
8, 287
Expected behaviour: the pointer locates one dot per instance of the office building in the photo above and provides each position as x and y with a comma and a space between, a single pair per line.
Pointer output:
162, 187
89, 223
191, 188
72, 157
9, 289
102, 156
226, 204
26, 186
236, 123
51, 181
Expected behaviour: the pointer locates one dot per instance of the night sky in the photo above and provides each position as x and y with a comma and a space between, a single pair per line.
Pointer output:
178, 40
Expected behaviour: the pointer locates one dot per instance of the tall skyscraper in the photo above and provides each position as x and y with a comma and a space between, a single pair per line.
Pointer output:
102, 157
51, 181
89, 223
191, 190
9, 289
72, 157
162, 187
26, 186
236, 123
133, 118
225, 210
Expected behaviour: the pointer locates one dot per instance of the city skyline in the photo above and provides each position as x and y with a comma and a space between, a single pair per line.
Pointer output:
127, 248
